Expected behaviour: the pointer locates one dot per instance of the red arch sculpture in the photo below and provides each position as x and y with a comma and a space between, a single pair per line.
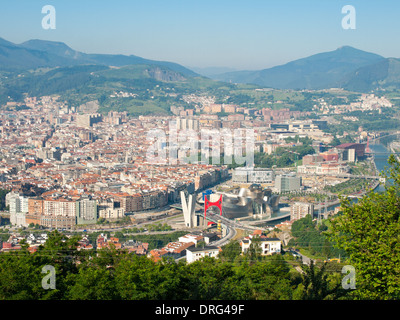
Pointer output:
208, 203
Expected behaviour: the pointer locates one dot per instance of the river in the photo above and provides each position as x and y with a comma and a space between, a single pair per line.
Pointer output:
381, 156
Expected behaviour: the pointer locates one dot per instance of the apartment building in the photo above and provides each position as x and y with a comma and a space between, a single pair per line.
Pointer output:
87, 120
59, 207
287, 183
187, 124
299, 210
58, 222
35, 211
154, 199
18, 209
35, 206
86, 211
194, 254
58, 213
130, 203
110, 209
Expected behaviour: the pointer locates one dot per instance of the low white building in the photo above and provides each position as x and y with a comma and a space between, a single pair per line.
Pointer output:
38, 239
194, 254
268, 246
191, 238
252, 175
112, 213
18, 219
324, 168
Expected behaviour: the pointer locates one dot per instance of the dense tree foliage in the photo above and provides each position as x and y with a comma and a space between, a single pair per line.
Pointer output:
111, 274
285, 156
3, 194
310, 235
315, 284
369, 232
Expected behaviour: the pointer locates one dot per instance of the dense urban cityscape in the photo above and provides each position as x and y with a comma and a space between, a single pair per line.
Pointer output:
68, 170
127, 178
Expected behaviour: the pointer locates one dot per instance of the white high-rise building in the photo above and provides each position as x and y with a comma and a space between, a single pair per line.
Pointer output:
86, 211
187, 124
18, 209
299, 210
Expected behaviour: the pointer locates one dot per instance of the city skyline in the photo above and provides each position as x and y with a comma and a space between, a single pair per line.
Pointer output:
231, 34
126, 176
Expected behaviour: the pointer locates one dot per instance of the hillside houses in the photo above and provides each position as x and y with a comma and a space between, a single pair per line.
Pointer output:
268, 246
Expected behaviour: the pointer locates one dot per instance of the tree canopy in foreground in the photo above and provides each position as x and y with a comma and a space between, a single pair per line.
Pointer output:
369, 232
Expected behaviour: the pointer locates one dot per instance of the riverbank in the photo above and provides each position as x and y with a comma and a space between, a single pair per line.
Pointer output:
394, 150
381, 155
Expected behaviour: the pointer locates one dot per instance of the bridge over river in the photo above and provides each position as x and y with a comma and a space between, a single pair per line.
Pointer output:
390, 134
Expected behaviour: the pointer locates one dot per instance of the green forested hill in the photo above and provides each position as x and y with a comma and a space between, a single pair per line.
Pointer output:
36, 53
384, 74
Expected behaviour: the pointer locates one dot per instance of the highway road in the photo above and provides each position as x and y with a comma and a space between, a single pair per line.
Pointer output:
230, 223
231, 233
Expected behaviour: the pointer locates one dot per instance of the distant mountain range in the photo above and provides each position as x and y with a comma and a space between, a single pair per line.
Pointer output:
40, 53
346, 67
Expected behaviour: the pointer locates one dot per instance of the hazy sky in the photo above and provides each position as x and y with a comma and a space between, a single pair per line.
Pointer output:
252, 34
